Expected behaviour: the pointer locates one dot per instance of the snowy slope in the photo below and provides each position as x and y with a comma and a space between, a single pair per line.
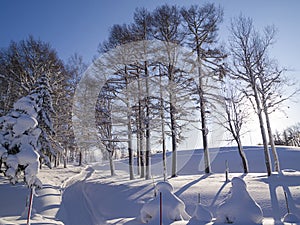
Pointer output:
88, 195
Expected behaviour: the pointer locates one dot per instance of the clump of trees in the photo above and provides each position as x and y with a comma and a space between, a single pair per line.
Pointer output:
289, 137
261, 79
255, 78
156, 94
21, 66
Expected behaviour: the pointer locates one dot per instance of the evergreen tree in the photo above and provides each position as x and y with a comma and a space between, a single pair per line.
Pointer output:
25, 135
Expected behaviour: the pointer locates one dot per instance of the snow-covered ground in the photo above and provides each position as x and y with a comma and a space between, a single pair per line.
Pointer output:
89, 196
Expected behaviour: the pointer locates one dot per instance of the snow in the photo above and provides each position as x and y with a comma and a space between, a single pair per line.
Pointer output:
20, 142
290, 218
27, 105
239, 206
173, 208
201, 214
24, 123
2, 150
89, 195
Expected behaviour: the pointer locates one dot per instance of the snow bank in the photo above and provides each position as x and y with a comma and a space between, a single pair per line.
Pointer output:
173, 208
239, 207
201, 214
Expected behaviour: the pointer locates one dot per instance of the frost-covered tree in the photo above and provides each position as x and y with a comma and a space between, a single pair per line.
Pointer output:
149, 53
21, 64
104, 122
265, 85
274, 89
248, 47
201, 24
25, 135
65, 130
166, 24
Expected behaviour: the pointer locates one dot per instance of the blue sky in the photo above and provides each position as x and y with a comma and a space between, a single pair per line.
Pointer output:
80, 25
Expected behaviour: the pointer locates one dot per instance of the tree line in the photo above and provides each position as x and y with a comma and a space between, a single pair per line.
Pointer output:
289, 137
179, 75
250, 80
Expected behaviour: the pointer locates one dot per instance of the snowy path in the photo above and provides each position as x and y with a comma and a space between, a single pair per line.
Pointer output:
118, 201
97, 197
76, 206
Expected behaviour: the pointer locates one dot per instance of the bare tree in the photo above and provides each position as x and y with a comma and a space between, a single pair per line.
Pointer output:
76, 68
120, 35
274, 89
235, 116
141, 31
248, 48
201, 27
166, 27
104, 122
293, 135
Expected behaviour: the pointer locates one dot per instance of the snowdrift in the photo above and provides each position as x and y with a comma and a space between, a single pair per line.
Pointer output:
88, 195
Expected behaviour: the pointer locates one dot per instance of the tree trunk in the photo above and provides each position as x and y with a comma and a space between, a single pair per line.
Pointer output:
80, 158
129, 130
111, 163
65, 158
242, 155
262, 130
147, 125
204, 129
173, 124
65, 161
142, 157
130, 155
141, 133
138, 152
266, 149
174, 145
162, 116
271, 140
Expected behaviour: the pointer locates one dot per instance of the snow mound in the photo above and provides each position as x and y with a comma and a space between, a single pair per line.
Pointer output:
290, 218
239, 206
201, 214
173, 208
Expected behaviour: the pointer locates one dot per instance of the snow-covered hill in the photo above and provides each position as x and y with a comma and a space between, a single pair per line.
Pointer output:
89, 196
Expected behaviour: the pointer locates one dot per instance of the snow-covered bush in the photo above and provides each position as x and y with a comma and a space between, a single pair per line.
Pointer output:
23, 134
239, 206
173, 208
201, 214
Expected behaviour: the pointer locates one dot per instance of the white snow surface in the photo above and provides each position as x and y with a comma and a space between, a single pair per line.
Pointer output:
201, 214
239, 206
27, 104
24, 123
90, 196
172, 208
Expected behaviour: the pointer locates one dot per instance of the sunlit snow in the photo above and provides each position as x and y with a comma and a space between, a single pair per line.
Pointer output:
89, 195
